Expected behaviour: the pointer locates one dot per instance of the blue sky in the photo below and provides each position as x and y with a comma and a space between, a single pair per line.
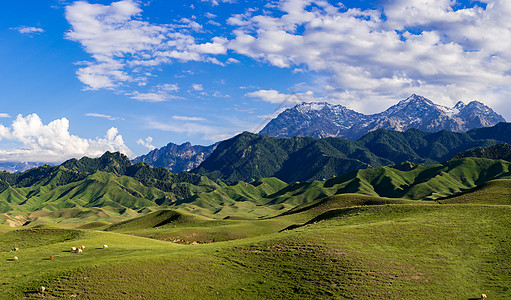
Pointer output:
82, 77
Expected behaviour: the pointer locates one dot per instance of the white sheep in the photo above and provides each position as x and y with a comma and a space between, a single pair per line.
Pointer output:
73, 249
42, 289
83, 247
80, 250
105, 246
15, 258
15, 249
483, 296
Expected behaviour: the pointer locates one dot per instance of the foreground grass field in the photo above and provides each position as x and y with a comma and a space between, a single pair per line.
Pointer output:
345, 246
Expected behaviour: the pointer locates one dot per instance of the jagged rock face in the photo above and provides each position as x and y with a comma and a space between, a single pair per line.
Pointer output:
313, 119
177, 158
326, 120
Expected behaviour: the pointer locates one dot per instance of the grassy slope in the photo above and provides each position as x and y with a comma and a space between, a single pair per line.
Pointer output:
99, 197
346, 246
404, 181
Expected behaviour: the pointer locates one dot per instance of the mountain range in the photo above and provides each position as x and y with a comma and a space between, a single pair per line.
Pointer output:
249, 156
326, 120
111, 188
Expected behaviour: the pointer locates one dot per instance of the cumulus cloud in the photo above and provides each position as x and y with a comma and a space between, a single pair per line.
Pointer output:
4, 115
377, 55
146, 143
125, 49
197, 87
52, 142
28, 30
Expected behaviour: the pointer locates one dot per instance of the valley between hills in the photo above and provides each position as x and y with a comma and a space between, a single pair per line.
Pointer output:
391, 215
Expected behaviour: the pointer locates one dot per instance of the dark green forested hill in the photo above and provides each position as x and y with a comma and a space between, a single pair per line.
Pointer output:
249, 156
499, 151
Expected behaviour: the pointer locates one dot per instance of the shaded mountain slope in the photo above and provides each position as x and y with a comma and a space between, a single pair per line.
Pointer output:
500, 151
177, 158
247, 156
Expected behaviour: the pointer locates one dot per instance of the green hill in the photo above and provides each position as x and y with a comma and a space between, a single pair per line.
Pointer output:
346, 246
404, 181
499, 151
158, 219
108, 188
247, 156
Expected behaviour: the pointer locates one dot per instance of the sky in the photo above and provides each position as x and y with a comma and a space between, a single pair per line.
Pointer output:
79, 78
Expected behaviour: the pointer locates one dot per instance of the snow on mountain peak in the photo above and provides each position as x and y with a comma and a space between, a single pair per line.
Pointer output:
321, 119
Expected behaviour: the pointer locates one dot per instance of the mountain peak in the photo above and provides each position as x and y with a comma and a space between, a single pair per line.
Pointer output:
177, 158
312, 106
460, 105
321, 119
414, 98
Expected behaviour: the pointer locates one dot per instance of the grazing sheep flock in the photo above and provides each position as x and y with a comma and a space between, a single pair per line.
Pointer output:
80, 249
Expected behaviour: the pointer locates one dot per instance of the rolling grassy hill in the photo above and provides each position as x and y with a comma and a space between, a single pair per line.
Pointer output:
404, 181
343, 246
102, 196
109, 188
408, 231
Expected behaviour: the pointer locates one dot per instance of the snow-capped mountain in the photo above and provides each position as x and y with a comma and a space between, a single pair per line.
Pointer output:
327, 120
177, 158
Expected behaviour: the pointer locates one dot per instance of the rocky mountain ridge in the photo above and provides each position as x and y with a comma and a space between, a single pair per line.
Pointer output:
177, 158
327, 120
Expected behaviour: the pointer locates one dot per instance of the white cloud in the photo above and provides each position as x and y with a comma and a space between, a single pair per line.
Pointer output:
96, 115
149, 97
159, 93
125, 49
147, 143
4, 115
28, 30
169, 87
376, 56
184, 118
53, 143
217, 2
274, 96
197, 87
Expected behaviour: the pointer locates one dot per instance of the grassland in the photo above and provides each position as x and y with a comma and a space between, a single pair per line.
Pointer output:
343, 246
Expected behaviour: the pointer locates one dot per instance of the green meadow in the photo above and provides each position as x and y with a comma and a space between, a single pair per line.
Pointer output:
346, 246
